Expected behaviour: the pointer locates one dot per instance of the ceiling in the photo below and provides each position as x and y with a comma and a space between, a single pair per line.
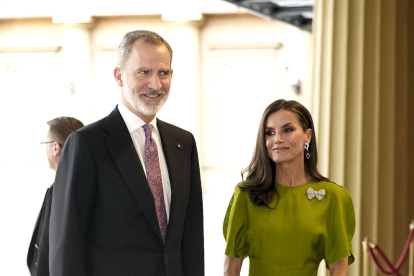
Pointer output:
295, 12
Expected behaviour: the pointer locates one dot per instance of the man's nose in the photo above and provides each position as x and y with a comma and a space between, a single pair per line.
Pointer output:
154, 82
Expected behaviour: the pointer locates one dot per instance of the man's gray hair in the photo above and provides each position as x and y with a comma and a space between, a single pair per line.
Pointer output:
146, 37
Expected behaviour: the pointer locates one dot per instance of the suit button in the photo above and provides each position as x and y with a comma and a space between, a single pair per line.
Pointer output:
36, 263
37, 247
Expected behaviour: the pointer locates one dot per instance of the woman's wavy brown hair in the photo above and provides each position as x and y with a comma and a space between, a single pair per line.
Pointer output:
261, 173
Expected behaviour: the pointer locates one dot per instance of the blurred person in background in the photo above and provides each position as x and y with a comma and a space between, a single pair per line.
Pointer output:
38, 255
286, 217
127, 193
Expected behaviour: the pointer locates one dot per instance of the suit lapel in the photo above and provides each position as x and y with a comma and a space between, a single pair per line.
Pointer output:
123, 152
173, 151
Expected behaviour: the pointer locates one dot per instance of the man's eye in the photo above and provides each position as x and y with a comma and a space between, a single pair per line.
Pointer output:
143, 72
164, 73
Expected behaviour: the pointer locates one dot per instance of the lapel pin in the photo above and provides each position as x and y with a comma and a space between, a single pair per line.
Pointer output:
178, 146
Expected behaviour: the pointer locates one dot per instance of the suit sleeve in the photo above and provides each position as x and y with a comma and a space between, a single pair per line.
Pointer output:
193, 237
73, 199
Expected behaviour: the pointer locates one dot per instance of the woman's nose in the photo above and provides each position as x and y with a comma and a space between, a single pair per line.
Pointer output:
278, 138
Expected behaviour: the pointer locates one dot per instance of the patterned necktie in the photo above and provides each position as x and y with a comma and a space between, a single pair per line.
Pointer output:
152, 166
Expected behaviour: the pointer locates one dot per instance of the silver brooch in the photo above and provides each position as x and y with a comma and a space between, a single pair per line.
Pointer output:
311, 193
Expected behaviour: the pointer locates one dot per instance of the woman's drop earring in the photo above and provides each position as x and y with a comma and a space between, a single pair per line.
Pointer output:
307, 154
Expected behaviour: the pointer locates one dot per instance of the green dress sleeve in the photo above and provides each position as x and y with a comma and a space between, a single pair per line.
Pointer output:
235, 226
340, 228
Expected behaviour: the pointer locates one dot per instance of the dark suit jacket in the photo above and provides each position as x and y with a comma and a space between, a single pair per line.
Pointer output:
38, 255
103, 219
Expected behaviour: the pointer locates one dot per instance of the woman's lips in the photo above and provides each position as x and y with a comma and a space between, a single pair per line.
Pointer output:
280, 149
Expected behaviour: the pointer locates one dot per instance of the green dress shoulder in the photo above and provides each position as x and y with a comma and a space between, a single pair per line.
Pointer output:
294, 237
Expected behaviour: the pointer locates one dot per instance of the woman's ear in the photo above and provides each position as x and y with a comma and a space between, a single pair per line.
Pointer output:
308, 135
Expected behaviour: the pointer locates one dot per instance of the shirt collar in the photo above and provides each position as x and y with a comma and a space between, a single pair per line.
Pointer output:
132, 121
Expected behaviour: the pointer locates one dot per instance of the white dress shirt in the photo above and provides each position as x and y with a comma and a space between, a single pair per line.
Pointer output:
134, 125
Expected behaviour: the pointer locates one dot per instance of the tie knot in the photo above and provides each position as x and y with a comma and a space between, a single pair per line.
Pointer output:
147, 129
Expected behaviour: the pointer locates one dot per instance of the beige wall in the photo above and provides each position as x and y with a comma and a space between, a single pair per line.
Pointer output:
244, 64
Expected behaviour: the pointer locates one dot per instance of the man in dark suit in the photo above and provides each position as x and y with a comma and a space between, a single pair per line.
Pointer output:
127, 196
38, 255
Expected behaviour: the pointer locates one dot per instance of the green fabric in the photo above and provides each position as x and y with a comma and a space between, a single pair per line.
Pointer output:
293, 238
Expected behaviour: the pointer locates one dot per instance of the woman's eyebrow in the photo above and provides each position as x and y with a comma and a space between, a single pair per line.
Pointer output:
287, 124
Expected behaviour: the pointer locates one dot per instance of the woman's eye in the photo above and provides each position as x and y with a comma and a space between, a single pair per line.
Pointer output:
268, 133
288, 129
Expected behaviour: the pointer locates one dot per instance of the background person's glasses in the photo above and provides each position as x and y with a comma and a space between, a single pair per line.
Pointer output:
43, 144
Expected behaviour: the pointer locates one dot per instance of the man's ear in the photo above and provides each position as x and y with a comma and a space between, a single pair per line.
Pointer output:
57, 149
118, 76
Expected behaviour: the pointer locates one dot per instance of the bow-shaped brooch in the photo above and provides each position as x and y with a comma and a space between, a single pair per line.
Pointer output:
311, 193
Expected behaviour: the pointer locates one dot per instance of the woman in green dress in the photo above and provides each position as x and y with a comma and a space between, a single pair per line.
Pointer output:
286, 217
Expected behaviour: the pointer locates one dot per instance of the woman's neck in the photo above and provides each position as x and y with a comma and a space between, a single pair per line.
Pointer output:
288, 174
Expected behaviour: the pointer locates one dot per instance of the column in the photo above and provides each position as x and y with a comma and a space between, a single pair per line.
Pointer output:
184, 103
75, 63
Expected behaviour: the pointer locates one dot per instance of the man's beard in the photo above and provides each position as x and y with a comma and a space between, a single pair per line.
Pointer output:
147, 107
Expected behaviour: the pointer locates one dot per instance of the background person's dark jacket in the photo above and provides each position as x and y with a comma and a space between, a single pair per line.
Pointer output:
38, 255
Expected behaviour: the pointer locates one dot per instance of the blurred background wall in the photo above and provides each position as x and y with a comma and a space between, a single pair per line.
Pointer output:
57, 59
